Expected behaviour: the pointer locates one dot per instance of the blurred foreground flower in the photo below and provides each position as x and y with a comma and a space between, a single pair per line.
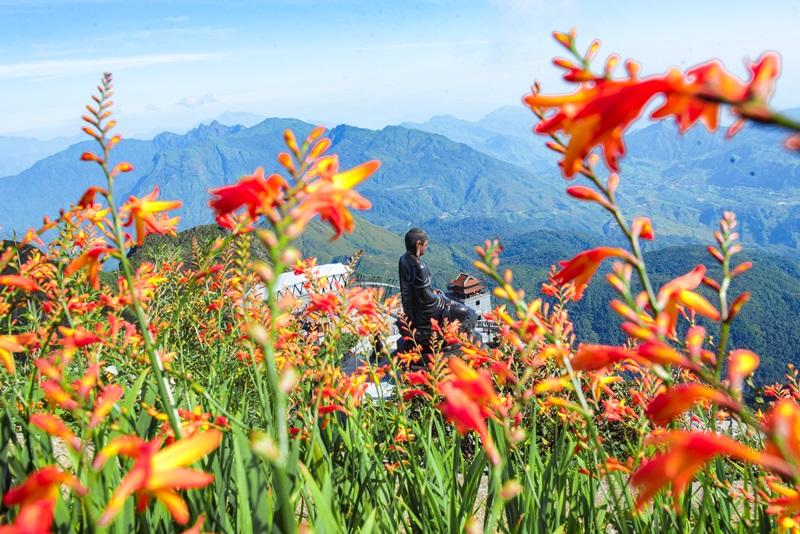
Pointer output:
158, 472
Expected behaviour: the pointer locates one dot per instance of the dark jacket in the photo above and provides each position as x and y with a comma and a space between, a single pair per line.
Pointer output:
420, 303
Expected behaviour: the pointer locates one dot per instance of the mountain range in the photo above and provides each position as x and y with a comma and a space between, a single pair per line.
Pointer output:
423, 176
490, 177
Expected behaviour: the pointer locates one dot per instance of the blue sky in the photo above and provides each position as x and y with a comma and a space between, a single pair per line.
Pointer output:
364, 62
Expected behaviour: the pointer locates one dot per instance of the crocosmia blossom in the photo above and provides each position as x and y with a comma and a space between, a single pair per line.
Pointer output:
89, 260
603, 107
687, 453
36, 497
331, 196
159, 472
8, 346
255, 192
676, 400
741, 364
582, 267
143, 214
469, 398
593, 357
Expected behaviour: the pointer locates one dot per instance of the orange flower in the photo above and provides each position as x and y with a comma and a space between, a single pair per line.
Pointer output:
56, 395
91, 260
783, 424
709, 83
469, 398
33, 518
660, 353
37, 497
582, 267
17, 281
597, 114
54, 426
104, 403
642, 227
602, 108
142, 214
41, 485
741, 364
326, 303
786, 505
688, 452
676, 400
593, 357
332, 194
158, 473
678, 292
260, 195
8, 346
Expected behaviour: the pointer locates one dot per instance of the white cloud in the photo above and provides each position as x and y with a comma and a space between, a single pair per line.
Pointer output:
196, 101
47, 69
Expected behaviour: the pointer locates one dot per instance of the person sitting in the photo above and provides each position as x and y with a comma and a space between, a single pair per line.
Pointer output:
420, 301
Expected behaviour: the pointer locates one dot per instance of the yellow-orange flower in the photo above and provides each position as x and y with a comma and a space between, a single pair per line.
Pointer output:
17, 281
679, 292
8, 346
741, 364
54, 426
159, 472
331, 196
145, 214
89, 260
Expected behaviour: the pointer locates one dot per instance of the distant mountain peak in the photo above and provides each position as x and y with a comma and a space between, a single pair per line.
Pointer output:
213, 129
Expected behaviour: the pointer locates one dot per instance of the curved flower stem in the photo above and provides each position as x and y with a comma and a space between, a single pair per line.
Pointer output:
165, 392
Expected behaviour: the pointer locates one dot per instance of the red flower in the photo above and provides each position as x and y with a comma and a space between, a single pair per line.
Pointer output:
469, 398
582, 267
260, 195
37, 497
